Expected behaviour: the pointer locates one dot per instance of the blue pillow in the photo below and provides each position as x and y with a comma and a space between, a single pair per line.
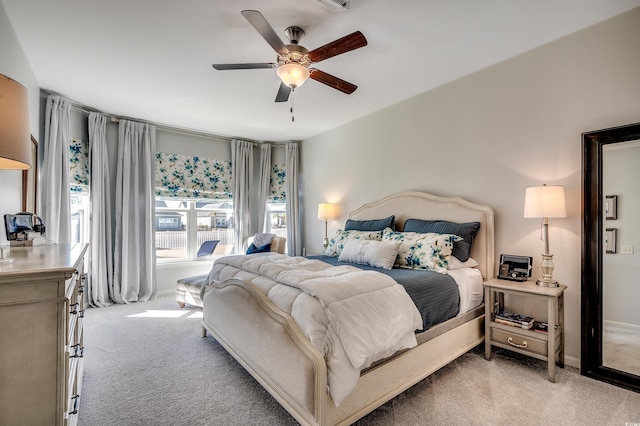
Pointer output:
253, 249
370, 225
467, 231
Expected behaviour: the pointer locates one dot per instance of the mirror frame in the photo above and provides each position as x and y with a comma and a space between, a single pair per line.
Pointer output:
592, 252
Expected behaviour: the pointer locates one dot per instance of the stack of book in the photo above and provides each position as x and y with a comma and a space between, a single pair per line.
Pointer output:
515, 320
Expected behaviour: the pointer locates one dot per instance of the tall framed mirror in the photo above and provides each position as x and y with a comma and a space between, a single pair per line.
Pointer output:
610, 341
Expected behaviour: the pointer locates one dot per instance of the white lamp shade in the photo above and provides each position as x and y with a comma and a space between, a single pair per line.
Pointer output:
293, 75
327, 211
545, 201
15, 138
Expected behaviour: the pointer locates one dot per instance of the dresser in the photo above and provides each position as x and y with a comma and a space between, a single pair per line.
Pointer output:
41, 334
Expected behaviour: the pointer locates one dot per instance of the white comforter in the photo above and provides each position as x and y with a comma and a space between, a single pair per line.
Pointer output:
353, 317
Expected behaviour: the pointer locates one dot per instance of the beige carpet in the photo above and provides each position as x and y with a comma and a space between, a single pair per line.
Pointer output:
146, 364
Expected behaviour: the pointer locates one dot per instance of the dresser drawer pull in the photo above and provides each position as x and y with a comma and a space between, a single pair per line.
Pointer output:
81, 289
522, 346
81, 314
76, 401
78, 351
74, 308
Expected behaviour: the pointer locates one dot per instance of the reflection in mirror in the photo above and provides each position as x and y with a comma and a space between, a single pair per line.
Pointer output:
610, 316
620, 267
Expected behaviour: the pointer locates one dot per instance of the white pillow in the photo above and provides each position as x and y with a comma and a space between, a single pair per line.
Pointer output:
340, 239
381, 254
455, 263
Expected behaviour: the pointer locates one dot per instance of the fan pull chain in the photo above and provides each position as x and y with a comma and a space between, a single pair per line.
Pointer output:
293, 92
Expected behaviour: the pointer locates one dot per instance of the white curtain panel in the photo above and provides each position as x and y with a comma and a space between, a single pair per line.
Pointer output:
294, 241
55, 183
134, 277
242, 163
100, 265
265, 186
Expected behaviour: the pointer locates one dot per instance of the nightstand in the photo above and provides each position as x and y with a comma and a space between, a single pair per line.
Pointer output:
547, 347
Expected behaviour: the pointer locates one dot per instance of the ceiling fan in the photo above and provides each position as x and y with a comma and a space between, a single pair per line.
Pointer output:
294, 60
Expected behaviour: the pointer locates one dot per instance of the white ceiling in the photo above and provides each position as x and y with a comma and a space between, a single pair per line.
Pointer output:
151, 59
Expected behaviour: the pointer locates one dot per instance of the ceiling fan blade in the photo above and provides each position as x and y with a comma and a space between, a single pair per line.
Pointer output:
331, 81
342, 45
261, 25
283, 93
250, 66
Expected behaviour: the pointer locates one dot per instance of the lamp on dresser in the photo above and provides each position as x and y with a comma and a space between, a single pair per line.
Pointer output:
544, 202
15, 137
326, 212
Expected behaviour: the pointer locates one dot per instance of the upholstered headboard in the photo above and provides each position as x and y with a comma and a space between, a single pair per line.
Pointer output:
420, 205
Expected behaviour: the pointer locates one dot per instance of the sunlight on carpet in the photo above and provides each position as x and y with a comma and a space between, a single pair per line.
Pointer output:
167, 314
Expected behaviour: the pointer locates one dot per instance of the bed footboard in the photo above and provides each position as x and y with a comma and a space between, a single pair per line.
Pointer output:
269, 345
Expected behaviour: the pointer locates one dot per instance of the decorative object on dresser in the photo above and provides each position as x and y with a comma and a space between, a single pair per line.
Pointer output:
545, 342
545, 202
326, 212
41, 337
264, 334
15, 139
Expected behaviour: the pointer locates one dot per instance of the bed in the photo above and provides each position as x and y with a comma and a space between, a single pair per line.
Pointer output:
274, 349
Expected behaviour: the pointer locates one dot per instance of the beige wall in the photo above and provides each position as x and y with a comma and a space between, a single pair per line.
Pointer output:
14, 64
486, 137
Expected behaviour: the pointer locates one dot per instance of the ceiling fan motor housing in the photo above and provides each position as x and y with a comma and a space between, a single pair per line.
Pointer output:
296, 55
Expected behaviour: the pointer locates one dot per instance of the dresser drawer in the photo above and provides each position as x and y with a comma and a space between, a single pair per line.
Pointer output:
525, 343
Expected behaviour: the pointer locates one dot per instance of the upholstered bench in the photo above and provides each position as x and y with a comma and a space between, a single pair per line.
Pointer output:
188, 290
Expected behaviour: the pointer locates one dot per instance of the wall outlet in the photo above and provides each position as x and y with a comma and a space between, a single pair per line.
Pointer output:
626, 249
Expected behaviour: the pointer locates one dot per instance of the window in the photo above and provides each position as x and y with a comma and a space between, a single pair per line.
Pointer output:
183, 226
193, 205
79, 217
276, 201
79, 190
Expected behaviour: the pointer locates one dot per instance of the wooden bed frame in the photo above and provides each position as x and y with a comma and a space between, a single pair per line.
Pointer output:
270, 346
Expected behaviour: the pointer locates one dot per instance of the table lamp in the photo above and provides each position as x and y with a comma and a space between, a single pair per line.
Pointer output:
545, 202
15, 138
326, 212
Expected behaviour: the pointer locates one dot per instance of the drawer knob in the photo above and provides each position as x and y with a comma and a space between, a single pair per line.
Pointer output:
74, 309
76, 401
512, 343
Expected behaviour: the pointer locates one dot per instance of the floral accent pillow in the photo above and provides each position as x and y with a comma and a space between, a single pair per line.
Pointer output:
422, 251
340, 239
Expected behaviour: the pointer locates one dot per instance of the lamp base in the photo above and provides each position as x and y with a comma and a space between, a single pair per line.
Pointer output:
547, 283
325, 242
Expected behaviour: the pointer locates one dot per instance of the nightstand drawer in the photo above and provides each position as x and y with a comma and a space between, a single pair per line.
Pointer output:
519, 341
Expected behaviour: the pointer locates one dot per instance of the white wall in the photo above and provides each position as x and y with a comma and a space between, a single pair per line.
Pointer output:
487, 137
620, 271
14, 64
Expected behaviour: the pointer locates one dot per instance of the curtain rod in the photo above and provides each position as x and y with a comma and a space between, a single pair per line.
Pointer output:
115, 119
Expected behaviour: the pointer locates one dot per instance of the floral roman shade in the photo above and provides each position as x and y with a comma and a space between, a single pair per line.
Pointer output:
192, 178
277, 191
79, 166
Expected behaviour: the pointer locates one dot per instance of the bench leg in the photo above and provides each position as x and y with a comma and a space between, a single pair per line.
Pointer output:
181, 305
204, 332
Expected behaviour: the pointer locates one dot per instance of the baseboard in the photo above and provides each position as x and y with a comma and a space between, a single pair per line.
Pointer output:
622, 325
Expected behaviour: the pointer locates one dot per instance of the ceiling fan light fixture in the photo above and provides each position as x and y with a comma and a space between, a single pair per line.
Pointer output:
293, 75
